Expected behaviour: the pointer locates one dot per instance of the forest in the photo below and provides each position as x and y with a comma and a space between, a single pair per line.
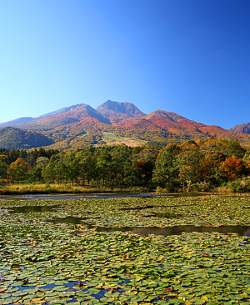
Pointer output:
202, 165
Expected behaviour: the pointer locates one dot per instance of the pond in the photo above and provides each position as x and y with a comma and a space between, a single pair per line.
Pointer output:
131, 250
93, 196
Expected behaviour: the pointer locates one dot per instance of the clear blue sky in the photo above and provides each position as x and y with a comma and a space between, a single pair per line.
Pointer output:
187, 56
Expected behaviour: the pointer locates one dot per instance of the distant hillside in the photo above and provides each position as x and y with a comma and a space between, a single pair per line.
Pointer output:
14, 138
112, 122
242, 128
16, 122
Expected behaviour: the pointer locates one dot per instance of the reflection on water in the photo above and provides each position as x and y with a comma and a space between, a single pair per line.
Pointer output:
68, 219
177, 230
71, 286
164, 215
94, 196
144, 207
33, 208
138, 208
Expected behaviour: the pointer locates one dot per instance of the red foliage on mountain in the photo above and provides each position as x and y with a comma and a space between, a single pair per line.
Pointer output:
122, 118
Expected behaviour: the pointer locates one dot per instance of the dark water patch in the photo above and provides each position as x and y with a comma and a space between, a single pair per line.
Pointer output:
245, 300
78, 196
33, 208
138, 208
48, 286
100, 294
69, 220
72, 300
124, 281
164, 215
180, 205
66, 197
23, 288
71, 284
177, 230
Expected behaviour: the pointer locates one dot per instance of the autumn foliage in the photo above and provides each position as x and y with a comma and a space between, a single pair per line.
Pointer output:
187, 166
232, 167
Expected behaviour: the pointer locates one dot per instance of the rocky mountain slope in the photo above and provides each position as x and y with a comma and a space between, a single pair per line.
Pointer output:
116, 112
81, 124
242, 128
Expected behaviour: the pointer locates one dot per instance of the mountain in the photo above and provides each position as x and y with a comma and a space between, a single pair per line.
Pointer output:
75, 114
180, 125
14, 138
116, 111
112, 122
173, 124
16, 122
242, 128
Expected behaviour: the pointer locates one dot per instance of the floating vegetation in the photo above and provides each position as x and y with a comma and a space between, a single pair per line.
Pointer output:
91, 252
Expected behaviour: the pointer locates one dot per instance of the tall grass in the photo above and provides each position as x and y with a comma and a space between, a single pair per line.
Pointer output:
42, 188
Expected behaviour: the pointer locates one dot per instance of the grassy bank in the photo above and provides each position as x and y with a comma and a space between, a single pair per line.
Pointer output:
43, 188
40, 188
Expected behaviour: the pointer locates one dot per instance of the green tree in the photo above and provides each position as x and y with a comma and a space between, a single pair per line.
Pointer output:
38, 167
86, 160
189, 165
166, 168
19, 170
143, 164
3, 170
54, 171
227, 147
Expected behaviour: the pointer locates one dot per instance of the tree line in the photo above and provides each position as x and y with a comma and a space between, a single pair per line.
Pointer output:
187, 166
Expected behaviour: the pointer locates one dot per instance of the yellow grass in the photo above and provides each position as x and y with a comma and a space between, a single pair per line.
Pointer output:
43, 188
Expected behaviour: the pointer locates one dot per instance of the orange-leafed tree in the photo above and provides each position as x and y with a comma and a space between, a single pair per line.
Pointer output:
232, 167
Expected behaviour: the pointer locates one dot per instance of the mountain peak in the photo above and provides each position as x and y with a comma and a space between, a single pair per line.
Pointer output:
64, 109
119, 110
165, 115
242, 128
70, 115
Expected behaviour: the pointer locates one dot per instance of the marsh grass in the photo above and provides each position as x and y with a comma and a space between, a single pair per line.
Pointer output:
42, 188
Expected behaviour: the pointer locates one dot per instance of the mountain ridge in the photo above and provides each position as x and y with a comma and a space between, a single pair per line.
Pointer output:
242, 128
81, 123
16, 122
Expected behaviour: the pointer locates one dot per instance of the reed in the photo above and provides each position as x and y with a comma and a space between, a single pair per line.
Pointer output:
42, 188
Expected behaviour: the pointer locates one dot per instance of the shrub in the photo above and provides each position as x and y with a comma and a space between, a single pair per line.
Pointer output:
224, 189
203, 186
161, 190
240, 185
